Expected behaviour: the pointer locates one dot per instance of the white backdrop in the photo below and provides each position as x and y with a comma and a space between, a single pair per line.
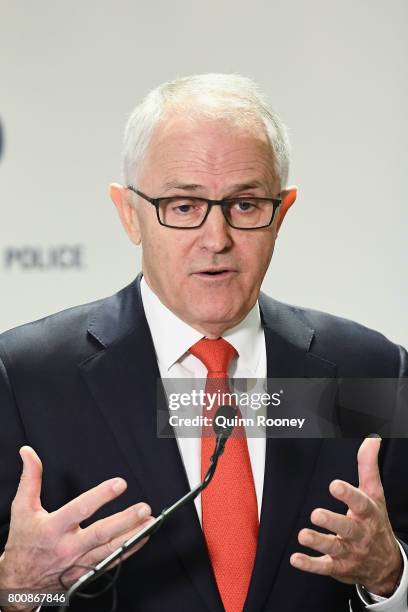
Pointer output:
70, 73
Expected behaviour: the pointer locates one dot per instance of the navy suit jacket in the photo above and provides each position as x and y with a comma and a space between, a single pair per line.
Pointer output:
80, 388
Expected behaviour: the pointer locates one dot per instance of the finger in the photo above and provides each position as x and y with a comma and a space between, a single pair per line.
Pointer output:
324, 566
29, 488
368, 471
100, 553
95, 556
358, 502
343, 526
114, 526
85, 505
324, 543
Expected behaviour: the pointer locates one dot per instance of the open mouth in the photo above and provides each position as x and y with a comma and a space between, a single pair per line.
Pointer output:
215, 273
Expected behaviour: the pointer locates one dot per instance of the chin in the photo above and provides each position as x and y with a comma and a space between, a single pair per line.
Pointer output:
218, 317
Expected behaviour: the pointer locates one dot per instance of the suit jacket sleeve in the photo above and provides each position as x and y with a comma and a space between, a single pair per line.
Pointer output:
394, 448
12, 437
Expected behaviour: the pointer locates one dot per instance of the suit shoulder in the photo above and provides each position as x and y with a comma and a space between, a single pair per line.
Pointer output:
63, 331
342, 329
342, 340
71, 336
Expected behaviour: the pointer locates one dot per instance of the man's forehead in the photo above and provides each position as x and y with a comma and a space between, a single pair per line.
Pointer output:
182, 151
173, 128
170, 184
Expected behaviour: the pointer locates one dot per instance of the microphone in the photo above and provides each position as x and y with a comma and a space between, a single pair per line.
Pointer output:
223, 425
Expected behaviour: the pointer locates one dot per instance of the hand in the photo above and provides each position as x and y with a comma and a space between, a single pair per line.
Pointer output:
41, 545
364, 549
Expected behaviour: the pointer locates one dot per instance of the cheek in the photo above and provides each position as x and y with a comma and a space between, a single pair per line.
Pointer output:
165, 255
255, 253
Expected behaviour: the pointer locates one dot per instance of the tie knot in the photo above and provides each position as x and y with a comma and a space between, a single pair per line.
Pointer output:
216, 355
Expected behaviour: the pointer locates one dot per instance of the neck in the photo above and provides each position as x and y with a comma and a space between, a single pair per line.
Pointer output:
213, 331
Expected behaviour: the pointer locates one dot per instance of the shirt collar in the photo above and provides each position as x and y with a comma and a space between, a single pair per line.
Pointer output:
172, 337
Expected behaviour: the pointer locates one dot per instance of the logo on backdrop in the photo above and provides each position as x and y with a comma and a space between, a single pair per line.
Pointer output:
62, 257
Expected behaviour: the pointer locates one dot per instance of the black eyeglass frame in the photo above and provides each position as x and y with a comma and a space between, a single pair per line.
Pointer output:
223, 203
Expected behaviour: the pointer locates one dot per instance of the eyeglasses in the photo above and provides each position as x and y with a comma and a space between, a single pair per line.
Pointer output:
185, 212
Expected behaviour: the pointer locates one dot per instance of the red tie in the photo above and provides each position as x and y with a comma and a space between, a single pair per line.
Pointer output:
229, 508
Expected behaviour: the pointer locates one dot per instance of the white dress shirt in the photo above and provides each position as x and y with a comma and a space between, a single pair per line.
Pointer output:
172, 338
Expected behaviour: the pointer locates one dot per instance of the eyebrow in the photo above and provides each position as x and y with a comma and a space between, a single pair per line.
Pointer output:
183, 186
195, 187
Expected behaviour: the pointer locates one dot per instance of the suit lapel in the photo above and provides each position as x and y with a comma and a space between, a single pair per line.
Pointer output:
289, 462
124, 380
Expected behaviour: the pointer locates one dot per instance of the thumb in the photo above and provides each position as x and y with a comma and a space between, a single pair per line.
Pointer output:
368, 470
29, 488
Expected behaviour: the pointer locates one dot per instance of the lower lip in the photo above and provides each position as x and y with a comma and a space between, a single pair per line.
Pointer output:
222, 276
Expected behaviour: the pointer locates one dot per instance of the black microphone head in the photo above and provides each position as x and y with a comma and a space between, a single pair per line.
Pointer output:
223, 422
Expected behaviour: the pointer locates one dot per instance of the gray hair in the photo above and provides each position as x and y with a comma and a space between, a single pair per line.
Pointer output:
214, 96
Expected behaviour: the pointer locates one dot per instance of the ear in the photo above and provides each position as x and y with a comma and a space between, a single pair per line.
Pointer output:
122, 199
288, 198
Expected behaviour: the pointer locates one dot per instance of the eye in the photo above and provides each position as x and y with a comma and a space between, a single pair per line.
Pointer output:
183, 208
245, 205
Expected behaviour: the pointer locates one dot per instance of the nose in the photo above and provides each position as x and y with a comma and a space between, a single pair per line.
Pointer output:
215, 234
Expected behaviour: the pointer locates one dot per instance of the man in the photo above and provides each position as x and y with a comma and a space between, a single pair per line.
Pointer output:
205, 165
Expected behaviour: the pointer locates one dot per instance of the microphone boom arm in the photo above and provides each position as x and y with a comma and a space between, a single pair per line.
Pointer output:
103, 565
